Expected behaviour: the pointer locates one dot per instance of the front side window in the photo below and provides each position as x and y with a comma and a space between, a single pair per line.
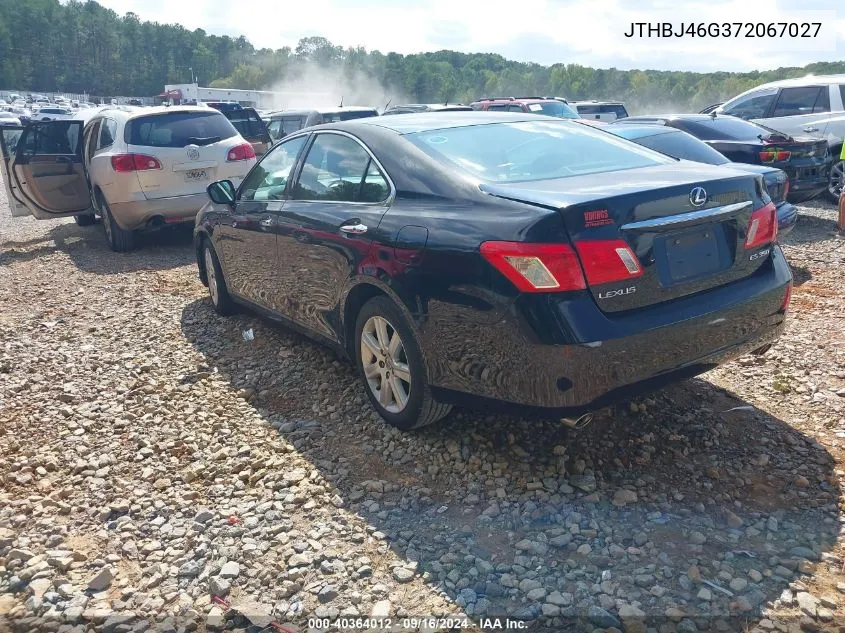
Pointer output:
803, 100
57, 137
269, 178
533, 150
754, 105
339, 169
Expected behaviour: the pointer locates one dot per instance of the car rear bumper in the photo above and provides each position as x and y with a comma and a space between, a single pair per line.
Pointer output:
641, 350
806, 182
787, 218
139, 214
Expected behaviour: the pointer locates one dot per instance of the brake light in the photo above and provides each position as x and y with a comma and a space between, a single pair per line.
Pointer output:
763, 227
607, 261
772, 155
785, 305
241, 152
536, 267
134, 162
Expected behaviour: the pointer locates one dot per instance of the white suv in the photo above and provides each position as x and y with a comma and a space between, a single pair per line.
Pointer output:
809, 106
135, 167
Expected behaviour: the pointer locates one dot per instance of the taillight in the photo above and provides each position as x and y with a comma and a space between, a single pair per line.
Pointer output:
763, 227
772, 155
134, 162
241, 152
536, 267
785, 305
607, 261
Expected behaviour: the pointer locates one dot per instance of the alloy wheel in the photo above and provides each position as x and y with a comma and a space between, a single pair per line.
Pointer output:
837, 179
385, 364
211, 275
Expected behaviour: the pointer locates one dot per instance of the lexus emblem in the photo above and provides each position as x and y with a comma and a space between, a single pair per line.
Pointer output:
697, 196
194, 154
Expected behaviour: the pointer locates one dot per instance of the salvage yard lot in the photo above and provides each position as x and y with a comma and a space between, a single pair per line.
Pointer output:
148, 449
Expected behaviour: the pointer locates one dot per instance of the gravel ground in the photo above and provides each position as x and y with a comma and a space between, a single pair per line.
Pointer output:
159, 472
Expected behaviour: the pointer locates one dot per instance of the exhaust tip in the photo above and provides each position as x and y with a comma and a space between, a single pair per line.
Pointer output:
579, 422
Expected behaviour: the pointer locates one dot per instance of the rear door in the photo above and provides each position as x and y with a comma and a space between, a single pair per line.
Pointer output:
251, 127
43, 170
190, 145
798, 110
330, 222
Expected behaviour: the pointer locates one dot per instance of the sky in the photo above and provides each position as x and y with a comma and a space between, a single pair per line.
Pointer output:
586, 32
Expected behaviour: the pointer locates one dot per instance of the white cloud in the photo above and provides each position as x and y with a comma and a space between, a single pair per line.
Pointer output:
545, 31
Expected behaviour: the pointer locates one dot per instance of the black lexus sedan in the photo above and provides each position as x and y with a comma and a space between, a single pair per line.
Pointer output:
477, 258
679, 144
806, 161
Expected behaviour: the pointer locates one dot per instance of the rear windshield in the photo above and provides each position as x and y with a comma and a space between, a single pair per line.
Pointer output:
178, 129
347, 115
533, 150
682, 145
554, 108
247, 123
727, 128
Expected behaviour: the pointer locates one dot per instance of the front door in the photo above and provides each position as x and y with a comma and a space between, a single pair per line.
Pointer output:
798, 111
43, 169
245, 239
333, 215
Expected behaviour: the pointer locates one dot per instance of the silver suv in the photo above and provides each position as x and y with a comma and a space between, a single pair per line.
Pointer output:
134, 167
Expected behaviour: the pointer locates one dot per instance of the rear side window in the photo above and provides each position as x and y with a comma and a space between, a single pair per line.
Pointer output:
178, 129
803, 100
754, 105
108, 132
357, 114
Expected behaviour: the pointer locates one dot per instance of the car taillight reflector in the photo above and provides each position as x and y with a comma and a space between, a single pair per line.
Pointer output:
785, 305
134, 162
772, 155
241, 152
607, 261
763, 227
536, 267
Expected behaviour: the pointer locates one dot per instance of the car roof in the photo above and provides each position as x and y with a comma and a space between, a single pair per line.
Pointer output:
525, 100
131, 112
807, 80
594, 102
424, 121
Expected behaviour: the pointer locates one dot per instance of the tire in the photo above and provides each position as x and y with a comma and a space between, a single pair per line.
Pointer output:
419, 408
836, 181
120, 240
86, 219
217, 291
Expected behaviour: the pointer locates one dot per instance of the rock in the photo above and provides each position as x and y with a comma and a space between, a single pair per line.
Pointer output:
327, 594
381, 609
804, 552
624, 496
733, 520
536, 594
559, 599
231, 569
807, 603
738, 584
204, 516
102, 580
529, 584
191, 569
704, 594
162, 484
601, 617
402, 574
19, 554
801, 481
697, 538
40, 586
694, 574
220, 587
755, 575
585, 483
584, 549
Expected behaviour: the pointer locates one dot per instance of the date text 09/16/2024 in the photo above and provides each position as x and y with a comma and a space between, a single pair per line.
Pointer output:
724, 29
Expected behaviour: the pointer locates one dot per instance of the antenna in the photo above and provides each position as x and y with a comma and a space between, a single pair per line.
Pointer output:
387, 104
341, 101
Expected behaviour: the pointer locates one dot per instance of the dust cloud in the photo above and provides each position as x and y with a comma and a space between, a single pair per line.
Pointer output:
314, 86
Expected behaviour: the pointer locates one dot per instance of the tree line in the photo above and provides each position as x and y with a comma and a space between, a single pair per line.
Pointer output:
79, 47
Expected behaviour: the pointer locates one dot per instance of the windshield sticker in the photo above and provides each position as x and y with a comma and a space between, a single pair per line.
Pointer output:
535, 107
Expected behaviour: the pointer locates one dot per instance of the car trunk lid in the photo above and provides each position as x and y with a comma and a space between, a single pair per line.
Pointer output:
684, 227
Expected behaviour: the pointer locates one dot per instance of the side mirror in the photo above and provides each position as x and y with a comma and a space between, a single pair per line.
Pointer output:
221, 192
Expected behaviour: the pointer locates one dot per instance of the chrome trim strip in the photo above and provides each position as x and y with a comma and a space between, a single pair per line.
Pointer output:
683, 218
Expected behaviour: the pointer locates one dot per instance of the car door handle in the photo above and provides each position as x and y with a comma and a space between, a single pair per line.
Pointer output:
811, 129
354, 229
267, 222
